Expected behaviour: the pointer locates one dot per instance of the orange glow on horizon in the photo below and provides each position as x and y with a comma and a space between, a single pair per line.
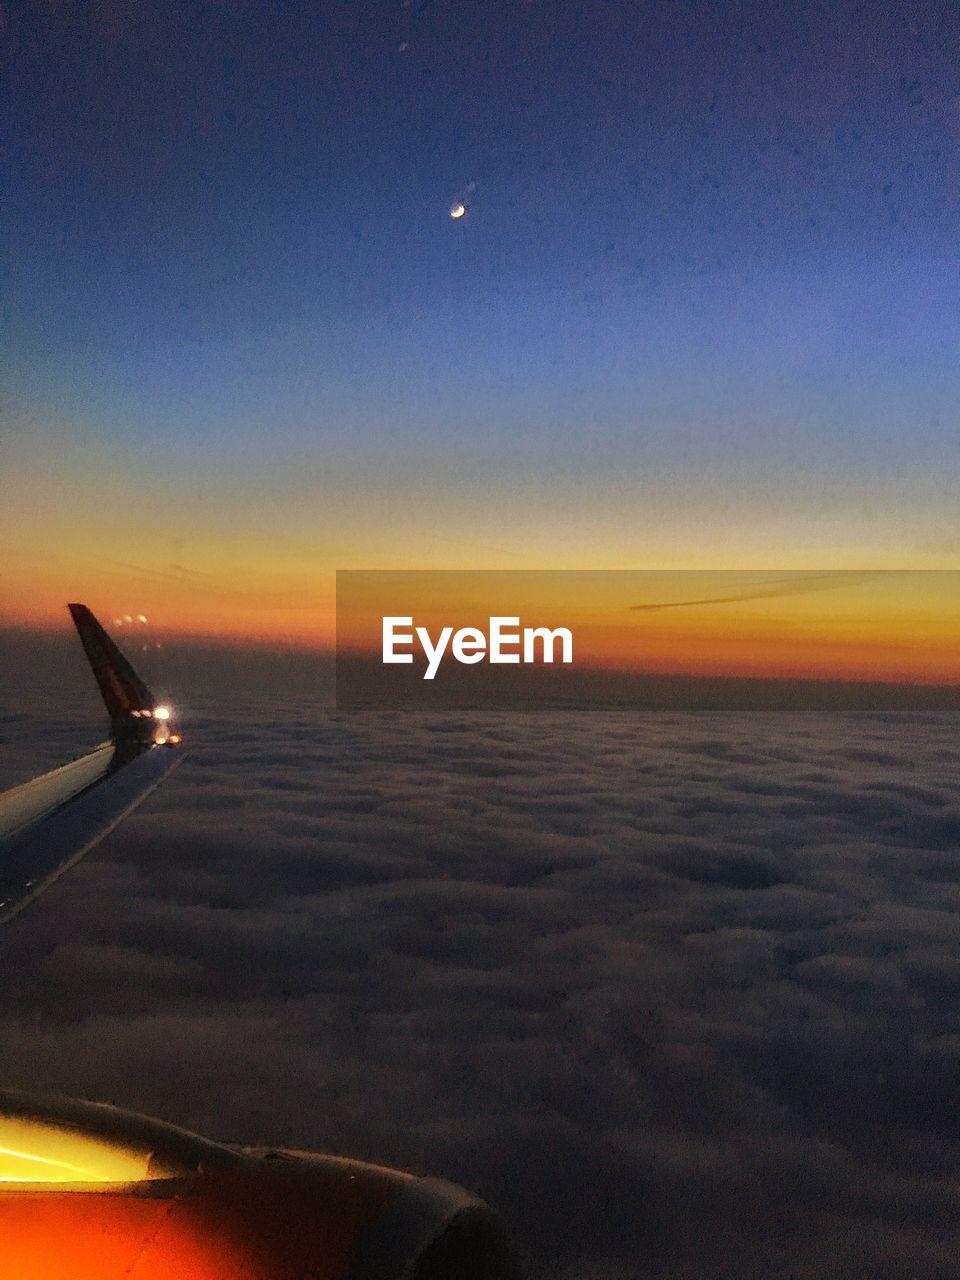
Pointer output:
896, 627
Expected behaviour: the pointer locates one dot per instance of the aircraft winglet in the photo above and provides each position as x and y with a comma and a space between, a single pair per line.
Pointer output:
125, 695
49, 823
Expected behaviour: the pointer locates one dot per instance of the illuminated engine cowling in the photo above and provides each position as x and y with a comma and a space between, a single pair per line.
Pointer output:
95, 1193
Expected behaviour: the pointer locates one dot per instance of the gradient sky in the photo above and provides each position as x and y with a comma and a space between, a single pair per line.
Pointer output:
702, 311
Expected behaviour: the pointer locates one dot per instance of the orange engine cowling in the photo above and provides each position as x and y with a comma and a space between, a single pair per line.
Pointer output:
94, 1193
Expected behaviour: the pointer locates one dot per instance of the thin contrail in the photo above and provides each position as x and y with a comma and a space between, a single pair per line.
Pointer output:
785, 587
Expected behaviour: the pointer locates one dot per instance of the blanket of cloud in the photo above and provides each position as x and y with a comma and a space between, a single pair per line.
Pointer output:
679, 993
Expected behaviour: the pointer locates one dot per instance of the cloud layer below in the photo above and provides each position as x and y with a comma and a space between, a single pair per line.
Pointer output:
680, 993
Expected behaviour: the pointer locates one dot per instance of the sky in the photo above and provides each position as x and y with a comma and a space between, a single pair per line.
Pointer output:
702, 309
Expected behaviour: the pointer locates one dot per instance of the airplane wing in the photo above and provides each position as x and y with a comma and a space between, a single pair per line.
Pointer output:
49, 823
166, 1203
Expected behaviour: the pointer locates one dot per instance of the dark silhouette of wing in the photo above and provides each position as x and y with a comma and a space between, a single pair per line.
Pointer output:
49, 823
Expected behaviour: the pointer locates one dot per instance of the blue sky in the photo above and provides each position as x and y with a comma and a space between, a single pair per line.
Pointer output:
708, 265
